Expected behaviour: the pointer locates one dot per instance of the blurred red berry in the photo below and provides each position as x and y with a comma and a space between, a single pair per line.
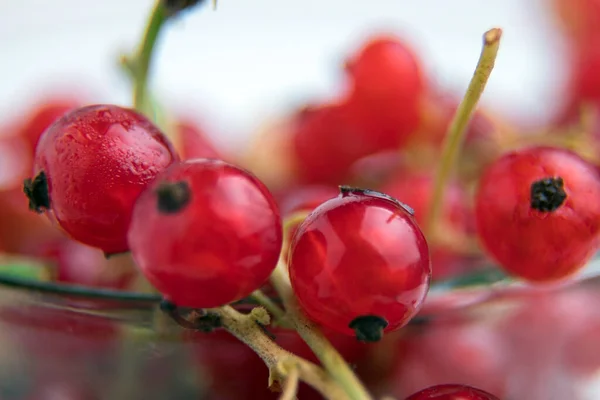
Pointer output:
206, 233
76, 263
91, 165
40, 118
456, 350
386, 75
536, 212
580, 19
452, 392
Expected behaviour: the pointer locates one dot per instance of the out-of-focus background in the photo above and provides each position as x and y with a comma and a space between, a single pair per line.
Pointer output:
249, 60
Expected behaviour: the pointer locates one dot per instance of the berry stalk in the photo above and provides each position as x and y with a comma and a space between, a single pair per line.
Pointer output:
141, 63
139, 66
331, 359
458, 126
280, 362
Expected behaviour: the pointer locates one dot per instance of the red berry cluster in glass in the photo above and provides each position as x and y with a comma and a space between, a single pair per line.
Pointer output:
359, 264
206, 233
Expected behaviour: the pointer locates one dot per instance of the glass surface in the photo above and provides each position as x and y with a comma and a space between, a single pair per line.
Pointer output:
518, 342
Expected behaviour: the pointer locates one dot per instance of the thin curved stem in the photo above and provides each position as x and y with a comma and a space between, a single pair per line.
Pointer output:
141, 63
245, 328
331, 359
456, 132
290, 388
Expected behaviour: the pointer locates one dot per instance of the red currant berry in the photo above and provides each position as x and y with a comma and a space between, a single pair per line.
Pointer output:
224, 233
359, 264
452, 392
326, 141
536, 212
193, 142
457, 217
580, 18
584, 83
386, 72
90, 167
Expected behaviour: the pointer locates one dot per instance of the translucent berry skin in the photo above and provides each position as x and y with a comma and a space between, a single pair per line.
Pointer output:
219, 246
97, 160
359, 254
452, 392
536, 245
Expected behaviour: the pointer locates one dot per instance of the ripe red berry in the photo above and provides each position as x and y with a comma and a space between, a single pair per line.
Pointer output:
359, 264
385, 72
90, 167
537, 212
326, 141
457, 216
206, 233
452, 392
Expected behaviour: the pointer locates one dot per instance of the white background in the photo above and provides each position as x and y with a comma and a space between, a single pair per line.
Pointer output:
252, 59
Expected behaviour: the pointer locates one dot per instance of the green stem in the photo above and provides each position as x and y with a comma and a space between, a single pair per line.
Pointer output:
141, 62
245, 328
456, 132
331, 359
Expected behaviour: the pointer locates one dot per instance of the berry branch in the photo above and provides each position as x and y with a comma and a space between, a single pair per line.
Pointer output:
458, 126
277, 312
139, 65
281, 363
331, 359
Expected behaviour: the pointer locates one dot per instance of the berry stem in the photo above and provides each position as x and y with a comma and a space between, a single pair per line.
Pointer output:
290, 388
331, 359
141, 62
456, 132
245, 328
277, 312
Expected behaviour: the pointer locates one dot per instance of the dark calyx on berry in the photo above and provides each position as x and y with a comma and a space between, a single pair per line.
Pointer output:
172, 197
36, 191
348, 190
368, 328
548, 194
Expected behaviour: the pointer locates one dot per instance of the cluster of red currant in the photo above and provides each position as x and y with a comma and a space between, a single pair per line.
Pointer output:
340, 228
